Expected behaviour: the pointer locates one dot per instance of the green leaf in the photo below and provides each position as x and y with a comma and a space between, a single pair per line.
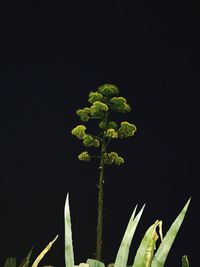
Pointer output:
185, 261
44, 251
69, 253
25, 262
122, 255
10, 262
95, 263
145, 251
164, 248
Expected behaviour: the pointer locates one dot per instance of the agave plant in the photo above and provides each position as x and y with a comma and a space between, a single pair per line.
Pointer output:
104, 102
146, 256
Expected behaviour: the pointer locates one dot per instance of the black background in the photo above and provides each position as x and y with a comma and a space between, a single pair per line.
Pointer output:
52, 55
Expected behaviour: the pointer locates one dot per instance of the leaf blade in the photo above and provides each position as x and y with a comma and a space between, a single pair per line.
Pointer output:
25, 262
144, 254
185, 261
44, 251
69, 253
164, 248
123, 252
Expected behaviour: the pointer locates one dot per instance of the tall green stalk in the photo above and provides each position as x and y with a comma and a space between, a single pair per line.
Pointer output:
100, 198
100, 209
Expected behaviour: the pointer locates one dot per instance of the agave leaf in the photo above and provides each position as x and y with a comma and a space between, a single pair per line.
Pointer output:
144, 254
82, 265
185, 261
95, 263
10, 262
25, 262
41, 255
122, 255
69, 253
164, 248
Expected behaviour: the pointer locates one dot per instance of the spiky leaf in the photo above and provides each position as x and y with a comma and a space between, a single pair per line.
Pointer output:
25, 262
164, 248
10, 262
185, 261
44, 251
145, 251
69, 253
122, 255
95, 263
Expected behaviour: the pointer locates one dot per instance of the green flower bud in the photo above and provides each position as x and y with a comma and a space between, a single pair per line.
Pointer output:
98, 109
102, 125
89, 141
95, 96
83, 114
113, 158
111, 133
96, 143
119, 104
112, 124
108, 90
126, 129
119, 161
79, 131
84, 156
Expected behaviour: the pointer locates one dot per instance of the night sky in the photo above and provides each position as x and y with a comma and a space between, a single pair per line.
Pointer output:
51, 55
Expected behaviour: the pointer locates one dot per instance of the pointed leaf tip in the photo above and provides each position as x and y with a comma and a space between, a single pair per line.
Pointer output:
67, 197
66, 206
164, 248
122, 255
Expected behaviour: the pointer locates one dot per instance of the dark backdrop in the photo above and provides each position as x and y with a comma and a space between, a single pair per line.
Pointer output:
52, 55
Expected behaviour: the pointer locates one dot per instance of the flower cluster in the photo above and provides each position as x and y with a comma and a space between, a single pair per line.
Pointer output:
94, 96
84, 156
126, 130
104, 102
119, 104
84, 114
79, 131
88, 140
98, 109
108, 90
113, 158
111, 133
108, 125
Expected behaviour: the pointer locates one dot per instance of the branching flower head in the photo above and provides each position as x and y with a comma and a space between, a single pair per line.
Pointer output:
103, 102
79, 131
126, 129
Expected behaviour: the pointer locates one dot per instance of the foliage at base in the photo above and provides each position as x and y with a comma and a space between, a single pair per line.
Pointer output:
147, 255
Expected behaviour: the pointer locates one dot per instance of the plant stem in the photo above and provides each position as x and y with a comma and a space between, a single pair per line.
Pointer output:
100, 199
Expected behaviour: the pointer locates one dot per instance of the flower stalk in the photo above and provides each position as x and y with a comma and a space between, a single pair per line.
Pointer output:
99, 240
104, 102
